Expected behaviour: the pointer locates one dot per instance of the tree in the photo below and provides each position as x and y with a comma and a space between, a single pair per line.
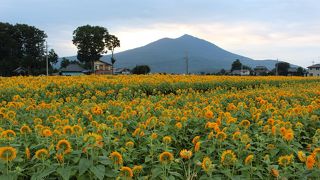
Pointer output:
282, 68
9, 49
32, 48
236, 65
21, 45
91, 43
53, 57
300, 71
64, 63
143, 69
111, 44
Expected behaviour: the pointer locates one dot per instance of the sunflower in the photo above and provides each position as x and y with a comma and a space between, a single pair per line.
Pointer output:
8, 134
285, 160
42, 154
301, 156
68, 130
165, 157
27, 152
129, 144
185, 154
236, 135
228, 158
195, 139
154, 135
46, 132
271, 146
167, 139
60, 157
247, 146
310, 162
77, 129
316, 152
178, 125
118, 125
116, 158
245, 123
137, 169
197, 146
274, 172
25, 129
126, 172
92, 138
64, 146
206, 164
248, 159
221, 136
245, 138
8, 153
209, 114
288, 135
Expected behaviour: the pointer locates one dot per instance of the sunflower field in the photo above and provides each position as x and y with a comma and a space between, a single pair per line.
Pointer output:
159, 127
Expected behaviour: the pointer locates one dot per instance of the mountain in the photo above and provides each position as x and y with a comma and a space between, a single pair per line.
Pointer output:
168, 55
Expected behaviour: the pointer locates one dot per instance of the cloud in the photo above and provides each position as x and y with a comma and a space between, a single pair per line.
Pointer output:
260, 29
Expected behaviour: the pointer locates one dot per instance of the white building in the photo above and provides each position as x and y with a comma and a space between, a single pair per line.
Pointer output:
243, 72
314, 70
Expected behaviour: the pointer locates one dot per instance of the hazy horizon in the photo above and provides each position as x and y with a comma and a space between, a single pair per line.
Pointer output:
258, 29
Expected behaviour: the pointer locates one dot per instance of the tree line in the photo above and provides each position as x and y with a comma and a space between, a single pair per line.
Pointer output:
23, 47
281, 69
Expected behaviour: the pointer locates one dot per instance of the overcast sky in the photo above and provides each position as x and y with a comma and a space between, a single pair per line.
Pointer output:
259, 29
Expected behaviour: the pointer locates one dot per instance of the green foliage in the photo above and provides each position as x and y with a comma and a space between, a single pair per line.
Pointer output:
21, 45
236, 65
91, 43
282, 68
142, 69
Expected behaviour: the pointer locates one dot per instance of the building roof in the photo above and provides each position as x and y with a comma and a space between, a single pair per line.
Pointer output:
261, 68
72, 68
315, 66
104, 62
20, 70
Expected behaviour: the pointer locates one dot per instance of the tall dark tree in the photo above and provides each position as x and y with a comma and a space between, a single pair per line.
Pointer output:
9, 49
236, 65
300, 71
53, 57
111, 44
282, 68
32, 47
91, 43
21, 45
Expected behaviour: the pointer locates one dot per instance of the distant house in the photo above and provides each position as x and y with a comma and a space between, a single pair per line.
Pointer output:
261, 70
243, 72
314, 70
122, 71
101, 67
73, 69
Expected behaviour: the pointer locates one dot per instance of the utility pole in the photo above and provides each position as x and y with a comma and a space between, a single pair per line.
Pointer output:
47, 58
187, 63
277, 67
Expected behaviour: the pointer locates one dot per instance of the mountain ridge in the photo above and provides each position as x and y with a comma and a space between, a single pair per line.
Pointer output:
168, 55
